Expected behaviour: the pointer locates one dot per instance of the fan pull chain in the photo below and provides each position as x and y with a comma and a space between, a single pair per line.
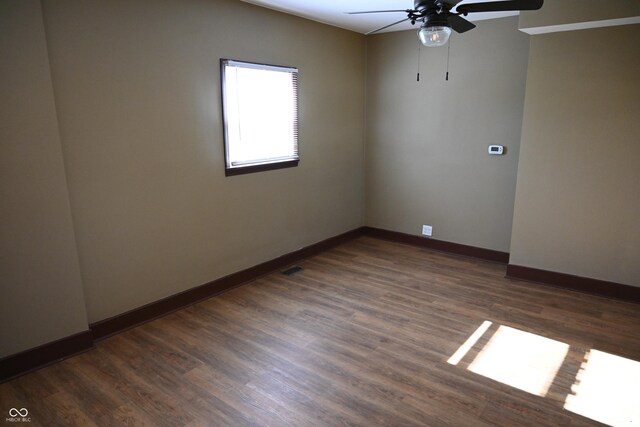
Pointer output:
448, 55
418, 76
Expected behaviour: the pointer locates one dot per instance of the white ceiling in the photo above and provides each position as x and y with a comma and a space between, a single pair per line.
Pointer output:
333, 12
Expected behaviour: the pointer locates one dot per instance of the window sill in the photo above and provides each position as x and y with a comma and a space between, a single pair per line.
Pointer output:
260, 168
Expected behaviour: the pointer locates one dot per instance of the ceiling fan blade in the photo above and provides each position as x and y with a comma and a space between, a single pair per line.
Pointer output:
386, 26
376, 11
459, 24
500, 6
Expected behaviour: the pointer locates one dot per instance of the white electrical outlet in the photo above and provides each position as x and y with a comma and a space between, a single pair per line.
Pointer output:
427, 230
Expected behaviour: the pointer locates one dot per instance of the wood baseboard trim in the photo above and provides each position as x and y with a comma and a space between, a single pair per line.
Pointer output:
30, 360
154, 310
38, 357
439, 245
576, 283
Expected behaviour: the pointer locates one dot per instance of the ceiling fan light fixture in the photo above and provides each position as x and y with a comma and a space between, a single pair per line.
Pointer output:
434, 36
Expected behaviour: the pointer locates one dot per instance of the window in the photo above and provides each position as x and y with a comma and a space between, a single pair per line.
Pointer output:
260, 115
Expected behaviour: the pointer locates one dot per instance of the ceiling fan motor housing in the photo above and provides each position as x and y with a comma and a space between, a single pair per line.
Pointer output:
434, 13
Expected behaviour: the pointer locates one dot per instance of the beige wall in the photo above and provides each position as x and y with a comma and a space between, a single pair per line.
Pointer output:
577, 204
138, 95
426, 154
40, 286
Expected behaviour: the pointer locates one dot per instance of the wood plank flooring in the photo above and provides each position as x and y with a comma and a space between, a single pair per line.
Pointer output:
360, 336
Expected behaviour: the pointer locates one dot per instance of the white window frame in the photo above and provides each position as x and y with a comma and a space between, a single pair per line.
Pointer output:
236, 118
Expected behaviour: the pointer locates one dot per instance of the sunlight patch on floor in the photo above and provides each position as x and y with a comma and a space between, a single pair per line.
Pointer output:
469, 343
520, 359
607, 389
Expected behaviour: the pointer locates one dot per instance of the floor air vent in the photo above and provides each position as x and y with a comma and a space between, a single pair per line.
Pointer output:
292, 270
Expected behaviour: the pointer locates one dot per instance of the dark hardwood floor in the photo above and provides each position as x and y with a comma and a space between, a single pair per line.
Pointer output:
369, 333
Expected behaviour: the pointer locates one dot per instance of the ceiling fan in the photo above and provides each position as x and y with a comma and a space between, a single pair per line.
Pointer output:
438, 19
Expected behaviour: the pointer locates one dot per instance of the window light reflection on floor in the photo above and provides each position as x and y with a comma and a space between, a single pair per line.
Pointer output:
469, 343
520, 359
607, 389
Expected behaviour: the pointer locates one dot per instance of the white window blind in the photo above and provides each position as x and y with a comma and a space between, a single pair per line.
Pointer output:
260, 111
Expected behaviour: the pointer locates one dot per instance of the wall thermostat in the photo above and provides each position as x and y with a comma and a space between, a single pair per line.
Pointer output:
496, 149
